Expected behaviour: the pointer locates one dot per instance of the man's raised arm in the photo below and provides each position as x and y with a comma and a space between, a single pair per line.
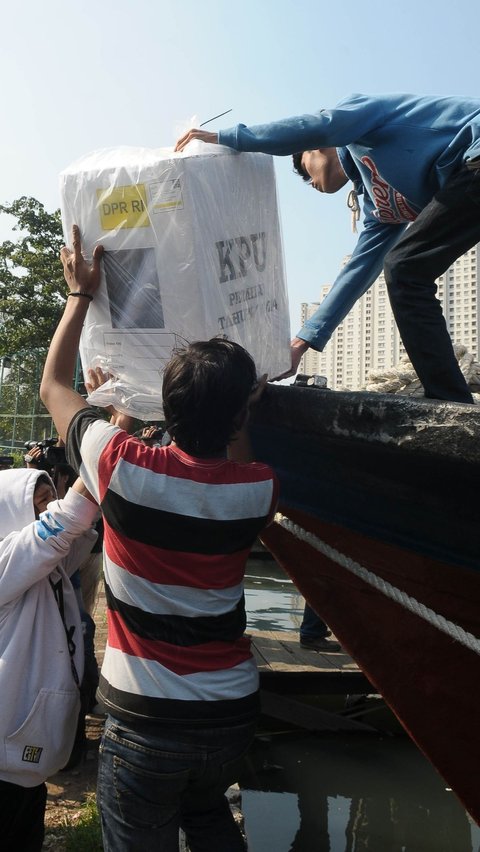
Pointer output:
83, 282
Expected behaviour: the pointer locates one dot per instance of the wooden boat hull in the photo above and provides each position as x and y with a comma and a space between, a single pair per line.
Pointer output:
379, 498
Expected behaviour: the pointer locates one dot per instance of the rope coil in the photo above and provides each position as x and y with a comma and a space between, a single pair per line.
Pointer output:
444, 625
402, 378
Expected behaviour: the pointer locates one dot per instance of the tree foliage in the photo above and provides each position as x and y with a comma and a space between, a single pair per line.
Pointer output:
32, 287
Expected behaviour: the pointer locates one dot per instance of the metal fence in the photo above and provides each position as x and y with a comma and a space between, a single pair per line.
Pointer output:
23, 417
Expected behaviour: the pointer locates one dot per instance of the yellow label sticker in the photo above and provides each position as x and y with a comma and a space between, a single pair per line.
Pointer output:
123, 207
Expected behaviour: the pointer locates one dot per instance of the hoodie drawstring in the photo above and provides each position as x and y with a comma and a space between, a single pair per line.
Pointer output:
353, 205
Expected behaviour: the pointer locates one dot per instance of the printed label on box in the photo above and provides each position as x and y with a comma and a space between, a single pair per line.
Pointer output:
166, 195
123, 207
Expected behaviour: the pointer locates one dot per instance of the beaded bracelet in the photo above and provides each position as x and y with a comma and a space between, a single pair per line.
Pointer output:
79, 293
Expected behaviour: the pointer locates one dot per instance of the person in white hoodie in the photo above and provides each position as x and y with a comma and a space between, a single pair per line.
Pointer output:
42, 541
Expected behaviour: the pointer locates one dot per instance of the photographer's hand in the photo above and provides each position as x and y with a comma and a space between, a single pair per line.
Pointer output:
33, 457
148, 433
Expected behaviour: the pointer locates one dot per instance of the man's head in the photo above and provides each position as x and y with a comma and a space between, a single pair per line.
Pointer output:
321, 169
63, 477
206, 387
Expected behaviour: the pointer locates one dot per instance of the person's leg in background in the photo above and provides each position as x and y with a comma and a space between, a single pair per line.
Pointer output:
22, 817
314, 632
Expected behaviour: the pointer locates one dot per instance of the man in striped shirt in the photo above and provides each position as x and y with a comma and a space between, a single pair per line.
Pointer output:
178, 678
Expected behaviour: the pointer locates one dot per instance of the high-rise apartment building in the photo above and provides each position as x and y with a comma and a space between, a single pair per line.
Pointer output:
458, 291
368, 338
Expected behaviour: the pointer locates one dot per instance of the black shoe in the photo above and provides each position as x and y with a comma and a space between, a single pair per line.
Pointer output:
322, 644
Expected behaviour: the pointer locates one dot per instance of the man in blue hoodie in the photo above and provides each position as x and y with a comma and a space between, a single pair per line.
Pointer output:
416, 161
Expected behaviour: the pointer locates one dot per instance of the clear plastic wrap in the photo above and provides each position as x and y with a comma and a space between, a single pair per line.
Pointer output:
192, 250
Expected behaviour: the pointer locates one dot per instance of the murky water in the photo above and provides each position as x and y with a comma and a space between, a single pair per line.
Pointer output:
325, 792
272, 601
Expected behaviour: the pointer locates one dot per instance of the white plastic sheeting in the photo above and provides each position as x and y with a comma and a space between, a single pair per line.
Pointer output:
192, 250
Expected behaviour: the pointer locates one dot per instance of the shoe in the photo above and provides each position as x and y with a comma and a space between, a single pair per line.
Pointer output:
322, 644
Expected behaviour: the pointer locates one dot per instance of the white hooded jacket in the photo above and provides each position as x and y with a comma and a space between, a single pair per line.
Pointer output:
39, 698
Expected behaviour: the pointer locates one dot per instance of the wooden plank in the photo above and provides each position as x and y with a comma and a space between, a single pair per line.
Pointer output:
286, 667
278, 651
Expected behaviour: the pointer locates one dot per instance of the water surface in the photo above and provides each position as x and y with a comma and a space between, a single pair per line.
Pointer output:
324, 792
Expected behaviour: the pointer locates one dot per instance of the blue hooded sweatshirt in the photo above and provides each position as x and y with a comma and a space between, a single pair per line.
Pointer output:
398, 150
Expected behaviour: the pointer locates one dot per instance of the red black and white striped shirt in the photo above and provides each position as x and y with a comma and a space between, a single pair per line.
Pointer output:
178, 531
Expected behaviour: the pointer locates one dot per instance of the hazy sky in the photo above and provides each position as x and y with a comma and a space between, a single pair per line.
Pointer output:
86, 75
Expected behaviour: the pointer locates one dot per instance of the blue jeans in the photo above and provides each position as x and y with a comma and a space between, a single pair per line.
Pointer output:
312, 626
149, 786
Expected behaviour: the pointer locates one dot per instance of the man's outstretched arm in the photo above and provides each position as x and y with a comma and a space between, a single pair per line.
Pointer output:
203, 135
56, 389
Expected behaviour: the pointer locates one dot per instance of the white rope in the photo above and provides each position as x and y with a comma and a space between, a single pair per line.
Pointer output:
401, 378
453, 630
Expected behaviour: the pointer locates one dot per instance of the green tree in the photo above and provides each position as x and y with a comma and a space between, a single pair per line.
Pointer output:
32, 287
32, 297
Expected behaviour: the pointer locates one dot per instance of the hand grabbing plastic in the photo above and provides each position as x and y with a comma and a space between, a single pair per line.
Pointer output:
96, 379
203, 135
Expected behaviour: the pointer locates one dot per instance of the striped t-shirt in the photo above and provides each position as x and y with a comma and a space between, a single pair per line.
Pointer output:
178, 531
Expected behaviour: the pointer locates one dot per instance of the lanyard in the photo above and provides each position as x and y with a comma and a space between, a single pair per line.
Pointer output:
57, 589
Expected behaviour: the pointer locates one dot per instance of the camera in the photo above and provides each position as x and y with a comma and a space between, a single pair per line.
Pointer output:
51, 455
156, 435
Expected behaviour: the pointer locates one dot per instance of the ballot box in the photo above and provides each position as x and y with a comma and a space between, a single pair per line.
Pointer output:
192, 250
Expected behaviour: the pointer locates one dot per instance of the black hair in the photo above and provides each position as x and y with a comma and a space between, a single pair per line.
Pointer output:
298, 167
43, 479
206, 387
64, 469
